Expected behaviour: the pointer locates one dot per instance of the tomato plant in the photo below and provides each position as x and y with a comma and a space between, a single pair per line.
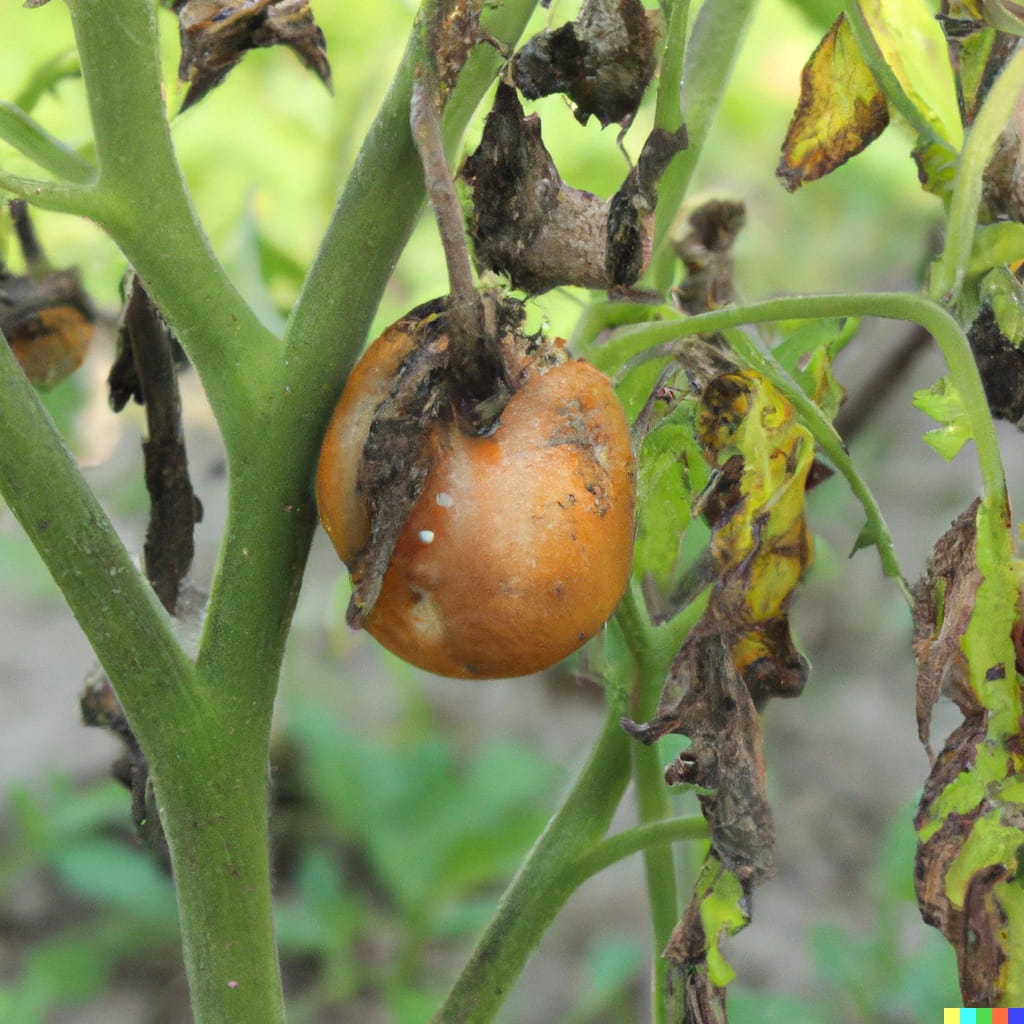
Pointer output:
477, 478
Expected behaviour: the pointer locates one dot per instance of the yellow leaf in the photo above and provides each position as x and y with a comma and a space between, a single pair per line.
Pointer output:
913, 45
841, 110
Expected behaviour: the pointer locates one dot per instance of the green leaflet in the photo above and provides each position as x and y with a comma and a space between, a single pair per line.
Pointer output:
942, 402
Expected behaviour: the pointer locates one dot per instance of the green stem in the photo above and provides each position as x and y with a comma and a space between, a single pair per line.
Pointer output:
718, 32
129, 630
25, 135
212, 801
652, 795
635, 840
544, 881
141, 199
669, 110
948, 270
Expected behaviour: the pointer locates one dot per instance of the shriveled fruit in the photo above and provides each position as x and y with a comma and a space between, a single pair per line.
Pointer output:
516, 546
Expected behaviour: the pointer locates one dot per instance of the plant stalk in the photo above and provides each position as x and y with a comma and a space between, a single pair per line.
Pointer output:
544, 882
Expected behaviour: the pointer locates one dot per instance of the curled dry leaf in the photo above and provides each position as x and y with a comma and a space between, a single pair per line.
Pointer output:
215, 35
943, 604
706, 700
529, 225
603, 61
840, 112
706, 253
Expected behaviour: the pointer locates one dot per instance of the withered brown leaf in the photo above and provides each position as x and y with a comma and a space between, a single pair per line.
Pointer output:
529, 225
943, 604
706, 700
603, 61
215, 34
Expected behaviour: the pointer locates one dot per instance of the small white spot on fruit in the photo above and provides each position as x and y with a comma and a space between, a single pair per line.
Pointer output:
445, 500
427, 536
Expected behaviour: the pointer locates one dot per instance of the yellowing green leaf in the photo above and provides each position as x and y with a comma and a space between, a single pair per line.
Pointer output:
841, 110
995, 245
943, 403
914, 47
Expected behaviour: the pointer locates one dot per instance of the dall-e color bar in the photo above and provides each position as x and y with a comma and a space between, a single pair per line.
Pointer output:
1003, 1016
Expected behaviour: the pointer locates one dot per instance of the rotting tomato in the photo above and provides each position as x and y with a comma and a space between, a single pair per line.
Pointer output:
516, 546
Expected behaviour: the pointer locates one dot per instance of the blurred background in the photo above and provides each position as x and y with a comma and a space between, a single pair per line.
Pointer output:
375, 759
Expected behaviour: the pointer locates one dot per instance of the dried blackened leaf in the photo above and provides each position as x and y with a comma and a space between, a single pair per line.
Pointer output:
603, 61
123, 382
215, 35
529, 225
1001, 365
840, 112
943, 604
396, 456
429, 384
706, 253
631, 210
705, 699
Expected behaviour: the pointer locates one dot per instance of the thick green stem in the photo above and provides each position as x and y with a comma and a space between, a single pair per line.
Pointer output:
142, 201
208, 766
129, 630
544, 882
214, 815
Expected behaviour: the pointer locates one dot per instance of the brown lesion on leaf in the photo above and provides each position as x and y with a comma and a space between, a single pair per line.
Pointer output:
215, 35
972, 913
840, 112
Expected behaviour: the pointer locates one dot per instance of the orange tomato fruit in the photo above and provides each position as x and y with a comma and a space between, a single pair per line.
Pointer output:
519, 545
